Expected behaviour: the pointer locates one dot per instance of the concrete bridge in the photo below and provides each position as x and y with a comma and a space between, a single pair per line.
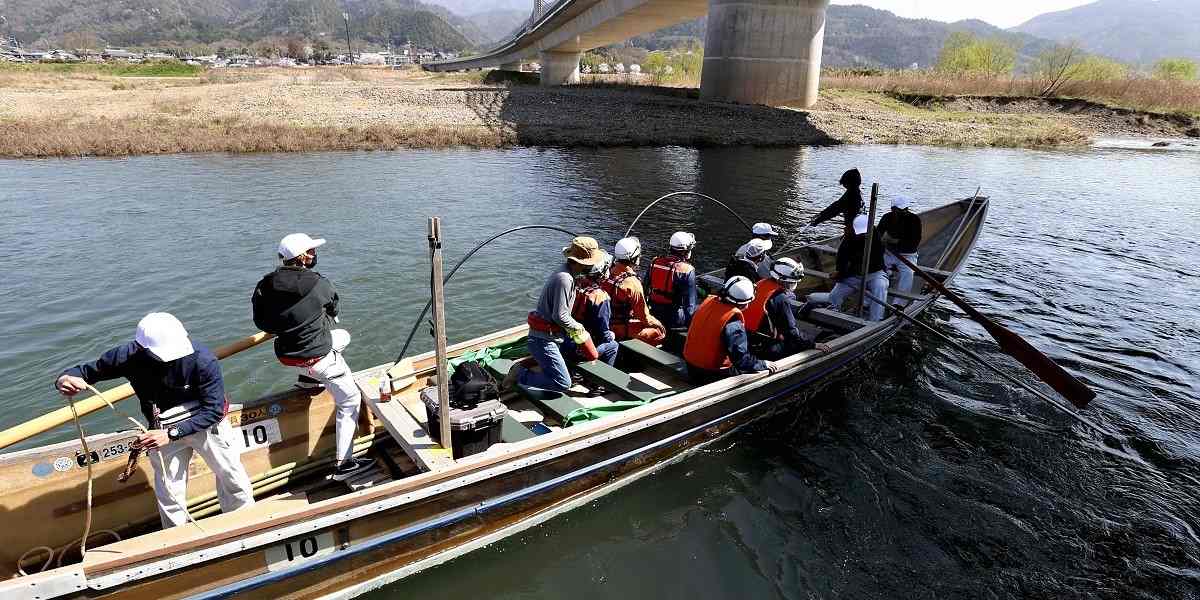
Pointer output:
755, 52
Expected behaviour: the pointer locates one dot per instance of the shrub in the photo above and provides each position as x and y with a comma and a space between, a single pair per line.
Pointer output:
1175, 69
967, 54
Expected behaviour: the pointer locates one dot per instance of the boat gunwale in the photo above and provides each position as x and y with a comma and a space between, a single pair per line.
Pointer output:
531, 452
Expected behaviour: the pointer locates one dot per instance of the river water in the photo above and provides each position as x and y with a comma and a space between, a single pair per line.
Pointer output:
918, 475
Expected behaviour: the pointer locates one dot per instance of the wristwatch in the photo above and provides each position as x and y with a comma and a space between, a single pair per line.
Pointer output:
173, 433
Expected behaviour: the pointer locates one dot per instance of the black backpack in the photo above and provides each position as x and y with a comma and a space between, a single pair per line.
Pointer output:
470, 385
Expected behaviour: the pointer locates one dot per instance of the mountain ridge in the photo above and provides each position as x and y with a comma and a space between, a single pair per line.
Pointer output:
1134, 31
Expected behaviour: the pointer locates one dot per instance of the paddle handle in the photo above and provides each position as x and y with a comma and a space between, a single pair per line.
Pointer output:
48, 421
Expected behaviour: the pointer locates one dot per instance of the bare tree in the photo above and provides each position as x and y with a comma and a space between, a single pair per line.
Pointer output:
1055, 67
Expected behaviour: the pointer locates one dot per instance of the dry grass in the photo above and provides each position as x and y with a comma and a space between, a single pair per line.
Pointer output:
1139, 93
162, 135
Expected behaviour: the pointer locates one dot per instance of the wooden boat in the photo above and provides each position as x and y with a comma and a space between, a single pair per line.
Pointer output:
311, 538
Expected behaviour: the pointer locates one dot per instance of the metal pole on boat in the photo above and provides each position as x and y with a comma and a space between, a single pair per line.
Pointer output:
866, 268
439, 333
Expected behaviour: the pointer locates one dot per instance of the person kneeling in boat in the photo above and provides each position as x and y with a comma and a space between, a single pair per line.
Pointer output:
182, 396
900, 231
593, 310
717, 343
552, 323
671, 281
772, 313
299, 306
749, 261
849, 262
631, 319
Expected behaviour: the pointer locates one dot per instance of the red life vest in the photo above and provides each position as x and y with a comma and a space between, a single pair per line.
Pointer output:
662, 277
704, 348
593, 296
756, 313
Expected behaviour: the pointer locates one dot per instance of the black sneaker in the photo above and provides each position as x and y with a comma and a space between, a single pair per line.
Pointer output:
352, 468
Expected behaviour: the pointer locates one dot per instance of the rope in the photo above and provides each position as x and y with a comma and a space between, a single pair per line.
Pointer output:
698, 195
162, 465
49, 559
87, 455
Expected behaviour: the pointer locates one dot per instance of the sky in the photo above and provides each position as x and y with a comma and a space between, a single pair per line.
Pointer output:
1001, 13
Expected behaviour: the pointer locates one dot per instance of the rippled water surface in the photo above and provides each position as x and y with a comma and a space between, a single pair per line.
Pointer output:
917, 475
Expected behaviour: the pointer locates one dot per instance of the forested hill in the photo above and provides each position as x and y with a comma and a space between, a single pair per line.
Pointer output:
859, 36
1135, 31
171, 22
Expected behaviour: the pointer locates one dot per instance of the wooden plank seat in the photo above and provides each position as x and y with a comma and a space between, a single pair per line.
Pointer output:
512, 430
655, 356
639, 388
838, 321
555, 404
823, 249
896, 293
407, 428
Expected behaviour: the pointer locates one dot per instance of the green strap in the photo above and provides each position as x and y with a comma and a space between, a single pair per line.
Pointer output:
581, 415
484, 356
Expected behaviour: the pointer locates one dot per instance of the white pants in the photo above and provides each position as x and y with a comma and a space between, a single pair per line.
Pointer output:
877, 284
220, 450
903, 278
335, 374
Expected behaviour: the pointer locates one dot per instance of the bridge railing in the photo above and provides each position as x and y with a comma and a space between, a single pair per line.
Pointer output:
526, 28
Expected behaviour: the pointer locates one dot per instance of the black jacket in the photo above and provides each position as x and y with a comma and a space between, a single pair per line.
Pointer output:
742, 266
297, 305
904, 226
849, 205
850, 256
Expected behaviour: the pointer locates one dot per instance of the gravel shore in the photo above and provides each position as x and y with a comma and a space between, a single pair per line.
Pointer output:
330, 109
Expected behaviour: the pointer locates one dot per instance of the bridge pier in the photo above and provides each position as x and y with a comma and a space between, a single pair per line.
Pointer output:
763, 51
560, 68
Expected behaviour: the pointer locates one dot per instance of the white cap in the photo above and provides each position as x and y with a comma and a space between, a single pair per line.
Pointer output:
296, 244
163, 336
787, 270
738, 290
754, 248
628, 249
764, 229
682, 240
860, 224
604, 264
902, 202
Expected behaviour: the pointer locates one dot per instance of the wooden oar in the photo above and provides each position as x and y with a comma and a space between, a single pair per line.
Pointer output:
1015, 346
63, 415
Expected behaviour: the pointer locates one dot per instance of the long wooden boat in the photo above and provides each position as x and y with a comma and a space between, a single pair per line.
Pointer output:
311, 538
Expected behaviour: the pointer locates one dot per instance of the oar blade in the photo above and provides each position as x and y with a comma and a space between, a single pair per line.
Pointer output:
1066, 384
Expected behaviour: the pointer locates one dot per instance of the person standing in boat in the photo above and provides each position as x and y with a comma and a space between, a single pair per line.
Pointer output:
593, 309
182, 396
849, 205
631, 319
300, 306
717, 344
671, 281
849, 272
553, 322
772, 313
749, 261
900, 230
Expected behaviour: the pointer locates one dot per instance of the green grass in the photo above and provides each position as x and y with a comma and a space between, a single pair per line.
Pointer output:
150, 69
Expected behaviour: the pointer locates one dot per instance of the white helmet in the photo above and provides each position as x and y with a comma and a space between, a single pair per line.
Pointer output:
629, 249
786, 270
738, 290
754, 248
764, 229
682, 240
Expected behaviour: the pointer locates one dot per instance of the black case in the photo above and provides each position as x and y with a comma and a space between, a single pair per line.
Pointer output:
472, 430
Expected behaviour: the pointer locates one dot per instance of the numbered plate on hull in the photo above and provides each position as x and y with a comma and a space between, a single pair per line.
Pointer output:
258, 434
300, 550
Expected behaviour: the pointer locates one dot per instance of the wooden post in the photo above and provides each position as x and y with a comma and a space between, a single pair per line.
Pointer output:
439, 333
862, 288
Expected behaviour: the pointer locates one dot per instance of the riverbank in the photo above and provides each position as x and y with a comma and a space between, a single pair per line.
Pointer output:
46, 114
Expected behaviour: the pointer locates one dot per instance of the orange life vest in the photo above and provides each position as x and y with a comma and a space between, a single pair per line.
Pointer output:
622, 309
662, 278
704, 348
756, 313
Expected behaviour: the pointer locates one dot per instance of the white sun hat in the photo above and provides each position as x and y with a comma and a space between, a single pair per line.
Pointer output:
163, 336
860, 224
296, 244
764, 229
